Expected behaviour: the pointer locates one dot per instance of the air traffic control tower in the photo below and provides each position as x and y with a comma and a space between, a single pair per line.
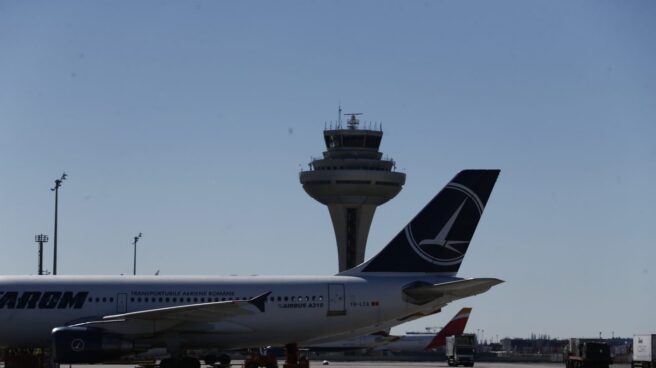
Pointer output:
352, 179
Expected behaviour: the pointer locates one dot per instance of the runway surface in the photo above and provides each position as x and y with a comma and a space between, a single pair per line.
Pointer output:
390, 365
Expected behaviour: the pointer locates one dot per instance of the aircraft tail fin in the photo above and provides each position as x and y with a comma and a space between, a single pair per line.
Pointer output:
456, 326
436, 240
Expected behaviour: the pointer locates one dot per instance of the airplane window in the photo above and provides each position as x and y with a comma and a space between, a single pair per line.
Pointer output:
138, 300
286, 298
90, 300
223, 299
272, 298
314, 297
188, 300
160, 300
111, 300
320, 298
175, 300
202, 300
104, 300
195, 300
292, 298
279, 298
167, 300
97, 300
131, 300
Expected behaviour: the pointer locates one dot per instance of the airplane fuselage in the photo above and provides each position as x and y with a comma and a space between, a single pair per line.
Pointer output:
298, 309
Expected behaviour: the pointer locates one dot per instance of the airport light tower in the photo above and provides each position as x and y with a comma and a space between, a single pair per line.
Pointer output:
352, 179
55, 189
41, 238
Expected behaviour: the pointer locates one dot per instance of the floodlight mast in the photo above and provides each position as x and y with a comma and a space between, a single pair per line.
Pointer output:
58, 183
41, 238
136, 239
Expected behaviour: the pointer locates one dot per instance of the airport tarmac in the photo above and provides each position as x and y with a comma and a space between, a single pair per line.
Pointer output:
387, 365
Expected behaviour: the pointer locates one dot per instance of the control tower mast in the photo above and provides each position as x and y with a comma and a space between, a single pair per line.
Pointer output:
352, 179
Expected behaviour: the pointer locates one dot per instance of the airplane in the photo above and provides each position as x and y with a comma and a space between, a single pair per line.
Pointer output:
382, 340
92, 319
424, 341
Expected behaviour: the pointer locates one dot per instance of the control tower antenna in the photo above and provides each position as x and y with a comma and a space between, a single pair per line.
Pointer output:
352, 179
353, 121
339, 117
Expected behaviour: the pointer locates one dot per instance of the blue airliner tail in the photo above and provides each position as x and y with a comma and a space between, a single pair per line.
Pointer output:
436, 240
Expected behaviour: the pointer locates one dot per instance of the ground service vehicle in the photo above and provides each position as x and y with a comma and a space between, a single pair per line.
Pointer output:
644, 351
460, 350
587, 353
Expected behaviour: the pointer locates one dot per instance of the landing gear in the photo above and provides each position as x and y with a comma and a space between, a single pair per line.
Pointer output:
223, 360
186, 362
293, 359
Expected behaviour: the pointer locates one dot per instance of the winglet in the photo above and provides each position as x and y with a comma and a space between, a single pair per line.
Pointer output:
259, 301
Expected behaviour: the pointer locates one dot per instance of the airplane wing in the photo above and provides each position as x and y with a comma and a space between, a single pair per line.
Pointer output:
204, 316
422, 293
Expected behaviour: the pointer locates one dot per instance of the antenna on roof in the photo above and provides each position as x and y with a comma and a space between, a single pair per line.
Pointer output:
339, 116
353, 121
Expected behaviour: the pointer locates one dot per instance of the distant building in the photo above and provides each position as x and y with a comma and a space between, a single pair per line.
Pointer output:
543, 345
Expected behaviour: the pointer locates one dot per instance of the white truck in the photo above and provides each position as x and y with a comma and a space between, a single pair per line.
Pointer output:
460, 350
644, 351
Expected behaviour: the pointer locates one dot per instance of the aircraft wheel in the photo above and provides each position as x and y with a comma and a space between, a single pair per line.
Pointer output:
224, 359
210, 359
188, 362
168, 363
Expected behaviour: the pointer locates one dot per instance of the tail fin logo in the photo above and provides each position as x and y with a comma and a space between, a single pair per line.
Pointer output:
445, 249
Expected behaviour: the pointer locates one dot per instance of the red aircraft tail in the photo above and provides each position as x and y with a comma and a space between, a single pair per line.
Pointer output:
456, 326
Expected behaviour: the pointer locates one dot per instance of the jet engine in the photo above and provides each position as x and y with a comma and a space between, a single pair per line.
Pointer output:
73, 345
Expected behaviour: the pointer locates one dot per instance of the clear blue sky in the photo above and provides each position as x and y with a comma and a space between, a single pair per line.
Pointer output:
188, 121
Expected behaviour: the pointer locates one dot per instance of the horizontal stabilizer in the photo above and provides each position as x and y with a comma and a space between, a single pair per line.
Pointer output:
421, 293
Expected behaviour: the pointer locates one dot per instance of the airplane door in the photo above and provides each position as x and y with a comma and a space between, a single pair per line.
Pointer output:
336, 300
121, 303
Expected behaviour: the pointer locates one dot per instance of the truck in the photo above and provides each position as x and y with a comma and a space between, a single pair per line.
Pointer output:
460, 350
587, 353
644, 351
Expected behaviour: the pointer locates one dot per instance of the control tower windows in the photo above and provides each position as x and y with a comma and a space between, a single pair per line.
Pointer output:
330, 141
353, 141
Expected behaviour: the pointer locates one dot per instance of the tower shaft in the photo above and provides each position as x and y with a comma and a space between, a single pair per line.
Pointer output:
351, 225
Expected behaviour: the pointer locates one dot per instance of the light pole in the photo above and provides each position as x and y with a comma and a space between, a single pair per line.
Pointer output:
41, 239
136, 239
58, 184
